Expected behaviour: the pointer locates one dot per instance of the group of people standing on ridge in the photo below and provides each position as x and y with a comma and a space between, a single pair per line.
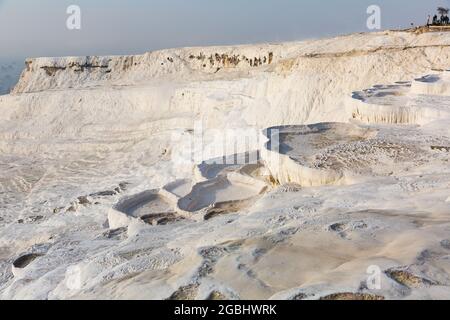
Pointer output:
443, 20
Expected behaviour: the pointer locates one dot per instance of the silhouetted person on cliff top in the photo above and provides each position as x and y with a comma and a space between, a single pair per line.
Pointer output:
435, 20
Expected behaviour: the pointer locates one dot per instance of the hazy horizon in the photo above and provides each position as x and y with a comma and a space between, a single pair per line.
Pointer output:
110, 27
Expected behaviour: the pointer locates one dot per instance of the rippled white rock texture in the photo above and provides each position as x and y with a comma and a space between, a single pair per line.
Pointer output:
93, 203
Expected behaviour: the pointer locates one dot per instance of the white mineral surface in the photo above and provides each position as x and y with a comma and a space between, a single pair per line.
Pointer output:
95, 202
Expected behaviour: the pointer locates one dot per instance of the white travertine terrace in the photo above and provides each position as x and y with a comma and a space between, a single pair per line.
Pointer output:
420, 102
94, 206
435, 84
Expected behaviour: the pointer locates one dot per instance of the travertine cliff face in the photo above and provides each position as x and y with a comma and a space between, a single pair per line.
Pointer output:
266, 85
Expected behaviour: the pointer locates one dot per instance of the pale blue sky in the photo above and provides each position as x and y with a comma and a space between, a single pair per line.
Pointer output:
31, 28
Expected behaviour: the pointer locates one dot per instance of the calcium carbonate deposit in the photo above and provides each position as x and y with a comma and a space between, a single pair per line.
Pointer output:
308, 170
